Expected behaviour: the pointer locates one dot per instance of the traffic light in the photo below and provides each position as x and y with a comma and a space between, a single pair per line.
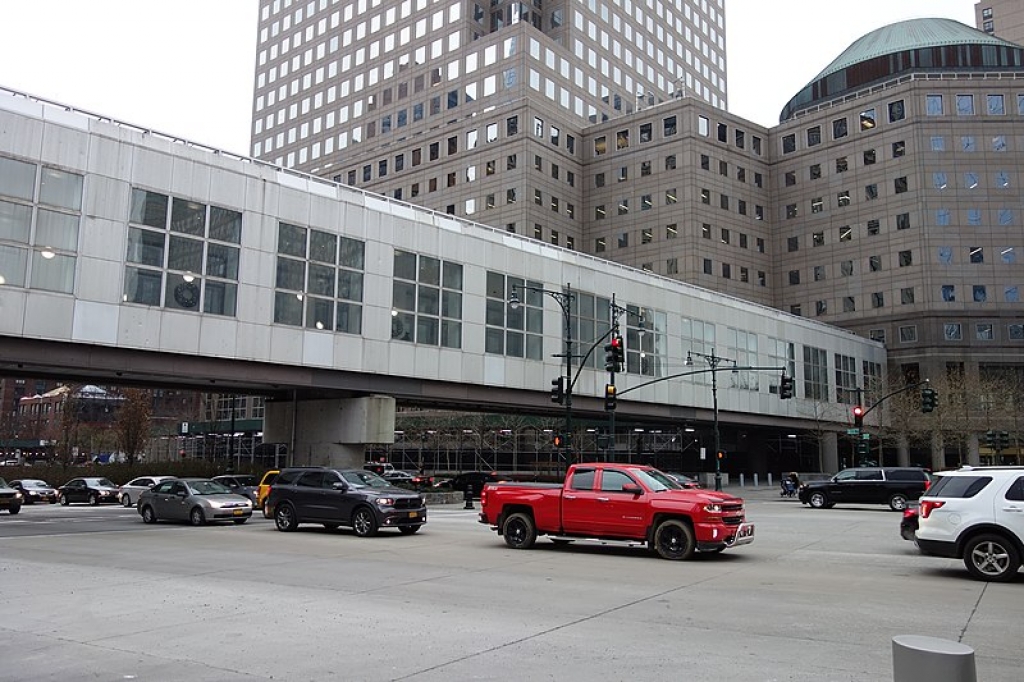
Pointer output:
558, 390
858, 416
614, 355
863, 449
786, 386
720, 455
990, 439
929, 399
558, 441
610, 397
1003, 440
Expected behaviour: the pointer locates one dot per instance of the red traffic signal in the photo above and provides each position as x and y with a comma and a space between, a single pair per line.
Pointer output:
858, 416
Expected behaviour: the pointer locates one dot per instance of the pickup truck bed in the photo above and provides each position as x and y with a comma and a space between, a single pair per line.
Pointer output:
617, 502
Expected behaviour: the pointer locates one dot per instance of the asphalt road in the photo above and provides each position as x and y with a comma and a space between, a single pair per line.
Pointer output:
92, 593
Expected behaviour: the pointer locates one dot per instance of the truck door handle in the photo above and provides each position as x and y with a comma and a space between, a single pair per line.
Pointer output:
570, 497
602, 499
1013, 509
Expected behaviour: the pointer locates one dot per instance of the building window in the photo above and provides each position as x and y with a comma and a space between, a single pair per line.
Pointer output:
843, 198
906, 295
669, 126
842, 165
874, 228
878, 299
897, 111
600, 145
817, 205
515, 332
789, 144
793, 244
599, 245
867, 119
794, 277
952, 331
905, 259
623, 240
965, 105
790, 178
908, 334
949, 293
814, 136
900, 185
645, 132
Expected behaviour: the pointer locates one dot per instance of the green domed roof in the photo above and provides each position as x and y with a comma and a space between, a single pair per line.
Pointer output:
912, 34
916, 45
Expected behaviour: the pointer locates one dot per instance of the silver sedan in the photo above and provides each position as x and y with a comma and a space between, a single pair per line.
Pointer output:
196, 500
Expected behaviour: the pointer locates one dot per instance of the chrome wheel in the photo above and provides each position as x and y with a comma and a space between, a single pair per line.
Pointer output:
991, 558
148, 515
197, 517
363, 523
126, 500
284, 518
818, 500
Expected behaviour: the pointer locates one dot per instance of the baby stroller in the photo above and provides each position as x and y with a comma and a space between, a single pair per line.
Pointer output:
789, 487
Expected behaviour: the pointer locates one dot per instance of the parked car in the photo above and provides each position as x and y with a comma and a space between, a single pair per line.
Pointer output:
909, 522
241, 484
131, 490
894, 486
263, 490
379, 468
34, 490
343, 497
10, 499
683, 480
408, 479
92, 490
196, 500
976, 514
475, 480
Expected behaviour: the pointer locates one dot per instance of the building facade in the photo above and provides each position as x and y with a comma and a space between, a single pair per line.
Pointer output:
1002, 18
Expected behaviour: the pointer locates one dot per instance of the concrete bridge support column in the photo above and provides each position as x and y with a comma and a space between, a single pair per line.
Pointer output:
829, 444
331, 432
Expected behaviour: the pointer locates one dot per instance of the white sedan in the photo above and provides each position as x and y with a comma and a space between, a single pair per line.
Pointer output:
131, 490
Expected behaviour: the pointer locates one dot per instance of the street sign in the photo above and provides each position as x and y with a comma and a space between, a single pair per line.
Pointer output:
703, 453
852, 432
184, 428
865, 436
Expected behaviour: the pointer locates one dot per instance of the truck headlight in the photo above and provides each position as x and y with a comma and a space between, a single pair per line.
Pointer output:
713, 508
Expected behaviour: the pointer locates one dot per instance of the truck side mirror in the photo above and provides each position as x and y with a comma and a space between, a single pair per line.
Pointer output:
632, 488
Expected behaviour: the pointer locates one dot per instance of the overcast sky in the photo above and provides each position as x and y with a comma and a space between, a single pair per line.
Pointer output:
185, 67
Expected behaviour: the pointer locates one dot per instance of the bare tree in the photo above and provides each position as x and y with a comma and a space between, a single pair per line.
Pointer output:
65, 430
134, 422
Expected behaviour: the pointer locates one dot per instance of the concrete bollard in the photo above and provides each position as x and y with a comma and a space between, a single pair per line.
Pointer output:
755, 480
741, 480
916, 658
468, 496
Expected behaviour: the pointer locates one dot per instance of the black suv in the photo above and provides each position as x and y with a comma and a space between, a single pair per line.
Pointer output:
894, 486
343, 497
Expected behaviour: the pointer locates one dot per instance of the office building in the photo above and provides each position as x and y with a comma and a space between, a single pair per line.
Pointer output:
886, 201
1002, 18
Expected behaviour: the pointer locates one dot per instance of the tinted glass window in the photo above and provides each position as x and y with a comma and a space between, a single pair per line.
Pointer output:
311, 479
164, 487
614, 480
959, 486
905, 475
1016, 491
869, 475
289, 477
846, 475
582, 480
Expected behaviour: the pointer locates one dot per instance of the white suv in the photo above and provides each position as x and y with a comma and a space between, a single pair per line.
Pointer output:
976, 514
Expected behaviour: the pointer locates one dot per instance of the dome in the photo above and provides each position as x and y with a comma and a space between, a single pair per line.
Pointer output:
906, 46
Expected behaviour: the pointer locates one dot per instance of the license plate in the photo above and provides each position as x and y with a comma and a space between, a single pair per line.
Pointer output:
414, 515
239, 512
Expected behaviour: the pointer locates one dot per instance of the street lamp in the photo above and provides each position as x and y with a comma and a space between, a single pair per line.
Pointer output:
565, 300
713, 362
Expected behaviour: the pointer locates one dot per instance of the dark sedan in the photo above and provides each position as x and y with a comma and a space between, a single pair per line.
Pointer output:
34, 490
92, 490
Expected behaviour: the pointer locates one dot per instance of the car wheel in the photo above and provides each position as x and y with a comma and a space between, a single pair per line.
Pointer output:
674, 540
63, 499
898, 502
818, 500
239, 522
94, 499
285, 518
14, 510
148, 515
991, 558
364, 523
196, 516
408, 530
126, 500
519, 531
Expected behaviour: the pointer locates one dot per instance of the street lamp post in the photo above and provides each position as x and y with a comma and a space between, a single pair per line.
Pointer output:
565, 300
713, 361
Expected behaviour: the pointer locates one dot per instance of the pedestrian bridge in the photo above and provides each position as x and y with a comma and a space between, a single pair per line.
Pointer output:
129, 256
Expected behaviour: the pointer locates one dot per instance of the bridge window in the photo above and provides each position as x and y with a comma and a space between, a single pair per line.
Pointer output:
426, 300
514, 332
319, 280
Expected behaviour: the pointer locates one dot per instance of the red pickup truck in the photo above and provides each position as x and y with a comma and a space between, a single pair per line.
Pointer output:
626, 502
